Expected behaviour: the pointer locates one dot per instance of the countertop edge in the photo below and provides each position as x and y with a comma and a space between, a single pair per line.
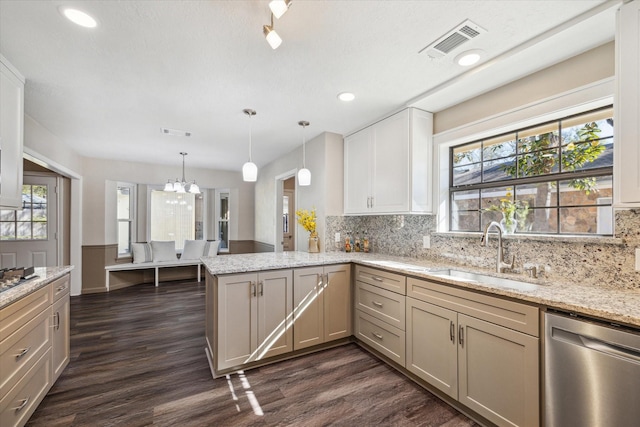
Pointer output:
45, 275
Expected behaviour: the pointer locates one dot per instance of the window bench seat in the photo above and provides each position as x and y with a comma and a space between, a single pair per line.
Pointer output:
147, 265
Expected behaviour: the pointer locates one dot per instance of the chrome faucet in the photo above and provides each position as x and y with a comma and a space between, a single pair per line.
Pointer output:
501, 266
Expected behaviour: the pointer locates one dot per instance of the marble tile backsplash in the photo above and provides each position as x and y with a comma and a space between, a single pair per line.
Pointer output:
604, 262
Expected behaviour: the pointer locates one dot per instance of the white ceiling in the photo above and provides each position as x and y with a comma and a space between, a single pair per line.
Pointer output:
194, 65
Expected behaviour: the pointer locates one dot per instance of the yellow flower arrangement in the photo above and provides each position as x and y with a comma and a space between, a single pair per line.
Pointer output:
510, 209
307, 219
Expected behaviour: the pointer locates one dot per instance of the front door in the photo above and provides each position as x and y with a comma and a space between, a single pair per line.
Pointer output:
29, 235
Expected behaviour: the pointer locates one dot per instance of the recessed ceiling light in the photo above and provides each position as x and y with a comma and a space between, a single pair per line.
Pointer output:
78, 17
469, 57
346, 96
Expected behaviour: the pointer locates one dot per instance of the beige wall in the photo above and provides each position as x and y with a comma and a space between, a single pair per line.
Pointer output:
324, 158
591, 66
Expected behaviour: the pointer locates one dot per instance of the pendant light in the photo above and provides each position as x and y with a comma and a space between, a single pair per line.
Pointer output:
249, 169
178, 186
304, 174
279, 7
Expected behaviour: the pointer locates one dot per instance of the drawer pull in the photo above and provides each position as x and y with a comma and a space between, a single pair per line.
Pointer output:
452, 333
377, 279
377, 335
23, 353
377, 304
461, 335
261, 285
24, 403
253, 289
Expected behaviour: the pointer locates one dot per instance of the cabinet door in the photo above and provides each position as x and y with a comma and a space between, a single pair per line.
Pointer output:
275, 299
308, 307
627, 106
432, 345
337, 302
237, 319
357, 172
60, 343
391, 167
11, 136
498, 372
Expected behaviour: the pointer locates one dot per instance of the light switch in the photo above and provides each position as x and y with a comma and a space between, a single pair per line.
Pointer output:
337, 239
426, 242
637, 259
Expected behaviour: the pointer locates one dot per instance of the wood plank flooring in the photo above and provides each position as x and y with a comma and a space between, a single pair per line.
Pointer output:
137, 359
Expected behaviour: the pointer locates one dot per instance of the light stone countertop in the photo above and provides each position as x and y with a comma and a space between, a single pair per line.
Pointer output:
45, 275
617, 306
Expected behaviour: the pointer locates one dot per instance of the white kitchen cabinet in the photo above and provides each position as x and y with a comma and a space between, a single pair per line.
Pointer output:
388, 165
11, 135
627, 107
253, 317
322, 305
455, 346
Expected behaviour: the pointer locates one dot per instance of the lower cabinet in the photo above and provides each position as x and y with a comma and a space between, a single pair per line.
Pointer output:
254, 317
34, 349
489, 368
322, 305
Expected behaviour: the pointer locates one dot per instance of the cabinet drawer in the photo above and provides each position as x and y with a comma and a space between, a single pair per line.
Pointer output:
385, 338
60, 287
382, 304
19, 404
20, 351
510, 314
17, 314
383, 279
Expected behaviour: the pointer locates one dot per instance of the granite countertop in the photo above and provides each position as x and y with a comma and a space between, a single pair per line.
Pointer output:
45, 275
618, 306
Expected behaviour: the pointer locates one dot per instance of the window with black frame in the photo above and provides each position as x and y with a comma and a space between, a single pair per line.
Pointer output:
552, 178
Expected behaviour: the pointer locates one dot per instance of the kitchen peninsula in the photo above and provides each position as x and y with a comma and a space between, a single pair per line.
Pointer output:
266, 307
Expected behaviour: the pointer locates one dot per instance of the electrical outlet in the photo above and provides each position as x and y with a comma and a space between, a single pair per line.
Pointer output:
337, 239
426, 242
637, 259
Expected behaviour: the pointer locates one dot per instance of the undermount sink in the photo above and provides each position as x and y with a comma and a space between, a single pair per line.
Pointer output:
465, 276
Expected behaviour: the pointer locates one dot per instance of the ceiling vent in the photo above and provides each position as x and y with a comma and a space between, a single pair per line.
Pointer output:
175, 132
454, 38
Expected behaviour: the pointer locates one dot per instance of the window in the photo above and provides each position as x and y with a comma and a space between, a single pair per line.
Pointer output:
176, 216
223, 220
126, 198
29, 223
553, 178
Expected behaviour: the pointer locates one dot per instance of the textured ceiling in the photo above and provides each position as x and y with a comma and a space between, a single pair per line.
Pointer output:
194, 65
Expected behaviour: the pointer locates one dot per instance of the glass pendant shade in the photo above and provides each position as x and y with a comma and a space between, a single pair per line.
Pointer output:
279, 7
272, 37
168, 186
304, 177
249, 172
193, 188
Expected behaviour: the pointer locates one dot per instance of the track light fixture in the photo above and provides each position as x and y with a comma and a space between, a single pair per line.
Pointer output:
183, 186
279, 7
304, 174
249, 169
270, 34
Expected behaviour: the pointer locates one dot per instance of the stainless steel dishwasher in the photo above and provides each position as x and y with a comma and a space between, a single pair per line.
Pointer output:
592, 373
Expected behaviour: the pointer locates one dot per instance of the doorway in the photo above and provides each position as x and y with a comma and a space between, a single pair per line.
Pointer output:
288, 217
30, 235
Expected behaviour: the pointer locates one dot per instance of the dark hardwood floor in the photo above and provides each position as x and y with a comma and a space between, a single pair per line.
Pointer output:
137, 359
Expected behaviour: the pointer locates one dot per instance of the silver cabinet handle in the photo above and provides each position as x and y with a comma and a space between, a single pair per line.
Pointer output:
377, 304
371, 201
452, 332
57, 320
61, 288
377, 279
23, 353
261, 284
377, 335
24, 403
253, 289
461, 335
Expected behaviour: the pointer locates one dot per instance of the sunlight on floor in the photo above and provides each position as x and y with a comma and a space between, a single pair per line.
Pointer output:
253, 400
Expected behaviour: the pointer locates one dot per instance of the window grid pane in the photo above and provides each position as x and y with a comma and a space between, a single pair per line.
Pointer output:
535, 184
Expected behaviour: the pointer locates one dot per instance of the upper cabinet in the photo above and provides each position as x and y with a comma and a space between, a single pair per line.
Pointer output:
388, 165
11, 135
627, 106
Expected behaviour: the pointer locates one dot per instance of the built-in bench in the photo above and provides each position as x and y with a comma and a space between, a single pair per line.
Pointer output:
157, 265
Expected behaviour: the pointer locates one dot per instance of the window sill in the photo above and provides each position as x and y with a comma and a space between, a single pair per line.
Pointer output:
605, 240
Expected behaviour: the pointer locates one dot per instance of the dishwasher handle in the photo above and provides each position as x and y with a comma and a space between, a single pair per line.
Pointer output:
597, 345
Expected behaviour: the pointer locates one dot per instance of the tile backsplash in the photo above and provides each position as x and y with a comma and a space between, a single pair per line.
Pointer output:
592, 261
